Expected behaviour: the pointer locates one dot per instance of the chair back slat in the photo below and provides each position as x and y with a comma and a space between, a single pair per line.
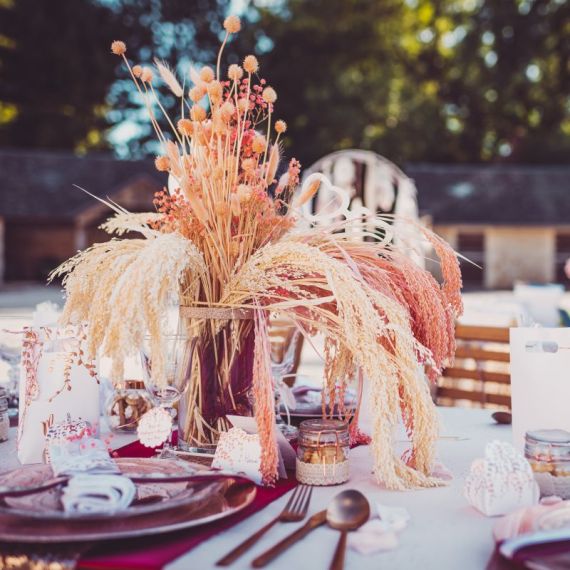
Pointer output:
464, 351
480, 375
475, 374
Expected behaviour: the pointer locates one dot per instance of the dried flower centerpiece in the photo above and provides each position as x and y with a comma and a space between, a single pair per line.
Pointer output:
224, 242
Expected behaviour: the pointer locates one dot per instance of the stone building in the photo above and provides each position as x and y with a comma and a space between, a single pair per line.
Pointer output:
47, 219
513, 221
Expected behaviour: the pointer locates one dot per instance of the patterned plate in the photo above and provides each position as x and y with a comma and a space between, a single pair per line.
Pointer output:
150, 498
231, 497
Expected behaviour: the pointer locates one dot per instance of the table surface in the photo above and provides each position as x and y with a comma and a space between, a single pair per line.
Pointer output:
444, 531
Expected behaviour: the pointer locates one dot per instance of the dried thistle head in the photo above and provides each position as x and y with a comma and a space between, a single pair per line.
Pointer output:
118, 47
196, 93
185, 127
243, 105
258, 144
137, 71
269, 95
280, 126
232, 24
250, 64
162, 163
235, 72
207, 74
198, 113
146, 75
215, 91
227, 110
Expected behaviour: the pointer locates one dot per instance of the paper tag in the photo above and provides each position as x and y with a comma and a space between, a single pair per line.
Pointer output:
239, 452
287, 455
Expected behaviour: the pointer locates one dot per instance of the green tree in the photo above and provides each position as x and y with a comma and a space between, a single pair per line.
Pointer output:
421, 80
54, 72
60, 87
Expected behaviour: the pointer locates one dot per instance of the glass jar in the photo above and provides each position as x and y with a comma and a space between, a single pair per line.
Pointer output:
322, 452
548, 452
4, 418
128, 402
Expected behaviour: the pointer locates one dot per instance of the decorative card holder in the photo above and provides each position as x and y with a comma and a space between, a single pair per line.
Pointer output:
501, 481
56, 379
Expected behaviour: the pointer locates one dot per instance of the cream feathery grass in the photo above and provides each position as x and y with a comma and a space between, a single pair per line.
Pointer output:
123, 288
169, 78
125, 222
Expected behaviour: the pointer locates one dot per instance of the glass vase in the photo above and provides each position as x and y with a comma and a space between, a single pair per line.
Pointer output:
221, 376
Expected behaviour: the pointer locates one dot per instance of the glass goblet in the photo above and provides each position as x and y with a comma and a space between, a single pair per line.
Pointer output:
168, 385
283, 355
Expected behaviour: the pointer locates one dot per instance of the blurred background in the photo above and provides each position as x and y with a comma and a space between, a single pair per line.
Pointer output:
467, 101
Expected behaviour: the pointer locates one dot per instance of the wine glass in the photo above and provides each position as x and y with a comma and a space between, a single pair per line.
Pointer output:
284, 342
166, 387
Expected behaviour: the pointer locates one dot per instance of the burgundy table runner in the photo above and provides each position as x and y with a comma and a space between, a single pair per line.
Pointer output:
137, 553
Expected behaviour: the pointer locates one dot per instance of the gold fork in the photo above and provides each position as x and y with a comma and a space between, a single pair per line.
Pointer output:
294, 511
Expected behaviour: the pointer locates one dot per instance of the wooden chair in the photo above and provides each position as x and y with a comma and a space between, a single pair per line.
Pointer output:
480, 376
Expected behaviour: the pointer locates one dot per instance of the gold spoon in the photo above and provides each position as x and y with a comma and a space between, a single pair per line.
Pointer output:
348, 511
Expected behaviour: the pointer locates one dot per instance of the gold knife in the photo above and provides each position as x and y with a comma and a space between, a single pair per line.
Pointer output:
314, 522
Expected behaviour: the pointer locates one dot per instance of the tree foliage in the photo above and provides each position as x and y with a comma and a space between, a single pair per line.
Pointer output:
60, 87
415, 80
422, 80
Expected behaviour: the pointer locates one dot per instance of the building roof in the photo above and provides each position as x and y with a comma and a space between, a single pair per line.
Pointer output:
495, 195
40, 184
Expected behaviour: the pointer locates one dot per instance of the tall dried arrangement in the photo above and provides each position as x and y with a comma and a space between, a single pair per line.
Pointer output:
224, 238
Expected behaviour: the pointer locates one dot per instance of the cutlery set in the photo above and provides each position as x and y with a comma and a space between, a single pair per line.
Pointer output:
347, 511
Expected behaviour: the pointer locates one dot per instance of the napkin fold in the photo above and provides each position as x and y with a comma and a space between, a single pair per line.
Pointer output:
88, 493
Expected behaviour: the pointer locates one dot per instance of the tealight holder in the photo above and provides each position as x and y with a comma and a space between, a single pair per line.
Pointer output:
322, 452
548, 452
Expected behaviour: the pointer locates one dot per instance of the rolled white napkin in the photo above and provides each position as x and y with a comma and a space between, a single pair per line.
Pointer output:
89, 493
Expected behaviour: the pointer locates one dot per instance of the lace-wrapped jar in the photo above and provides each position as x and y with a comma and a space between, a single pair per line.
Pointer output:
322, 452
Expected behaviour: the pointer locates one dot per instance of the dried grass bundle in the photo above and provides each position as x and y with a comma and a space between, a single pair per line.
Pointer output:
365, 325
222, 239
122, 289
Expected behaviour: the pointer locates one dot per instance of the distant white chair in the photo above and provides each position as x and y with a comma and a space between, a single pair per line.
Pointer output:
541, 301
374, 184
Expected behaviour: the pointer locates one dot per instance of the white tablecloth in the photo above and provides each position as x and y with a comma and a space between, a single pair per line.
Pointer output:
444, 532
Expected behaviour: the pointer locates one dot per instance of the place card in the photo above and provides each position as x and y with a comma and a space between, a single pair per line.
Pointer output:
239, 450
